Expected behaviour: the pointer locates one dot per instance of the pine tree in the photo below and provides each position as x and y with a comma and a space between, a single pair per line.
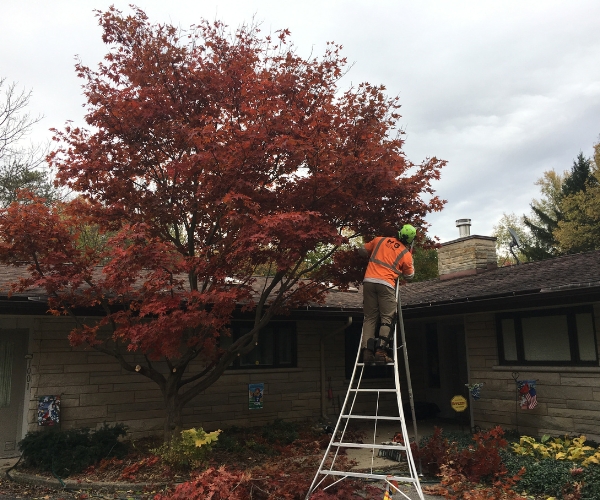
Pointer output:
581, 173
544, 218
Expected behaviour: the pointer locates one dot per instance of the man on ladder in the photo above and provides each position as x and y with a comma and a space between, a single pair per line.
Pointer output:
389, 258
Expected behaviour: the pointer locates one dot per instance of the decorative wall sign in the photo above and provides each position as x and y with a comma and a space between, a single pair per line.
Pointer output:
458, 403
475, 390
48, 410
255, 396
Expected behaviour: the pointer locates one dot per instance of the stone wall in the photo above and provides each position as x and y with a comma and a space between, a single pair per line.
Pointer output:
466, 255
568, 397
94, 388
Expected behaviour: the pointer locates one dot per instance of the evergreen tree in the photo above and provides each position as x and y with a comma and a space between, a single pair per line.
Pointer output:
581, 173
544, 218
579, 229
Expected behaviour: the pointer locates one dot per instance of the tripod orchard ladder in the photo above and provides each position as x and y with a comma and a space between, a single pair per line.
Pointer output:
330, 459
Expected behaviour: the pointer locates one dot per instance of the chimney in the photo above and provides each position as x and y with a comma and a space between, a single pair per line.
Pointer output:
464, 227
466, 255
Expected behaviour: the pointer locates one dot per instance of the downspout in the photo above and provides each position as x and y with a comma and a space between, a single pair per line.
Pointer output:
322, 346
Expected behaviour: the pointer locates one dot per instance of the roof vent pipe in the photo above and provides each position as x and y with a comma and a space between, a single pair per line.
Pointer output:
464, 227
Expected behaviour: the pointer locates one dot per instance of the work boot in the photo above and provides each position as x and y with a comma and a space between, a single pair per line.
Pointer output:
381, 357
368, 356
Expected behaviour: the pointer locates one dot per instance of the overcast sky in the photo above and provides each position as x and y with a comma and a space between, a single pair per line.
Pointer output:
502, 90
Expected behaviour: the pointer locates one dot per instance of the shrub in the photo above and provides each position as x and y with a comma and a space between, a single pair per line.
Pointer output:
280, 432
437, 449
432, 452
229, 443
71, 451
590, 477
481, 461
557, 477
540, 477
473, 472
571, 449
189, 450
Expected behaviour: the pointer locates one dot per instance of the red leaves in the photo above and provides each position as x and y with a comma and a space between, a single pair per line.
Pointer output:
462, 471
130, 472
214, 484
210, 157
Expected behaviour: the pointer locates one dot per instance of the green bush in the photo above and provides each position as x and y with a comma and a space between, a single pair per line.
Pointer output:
590, 477
229, 443
552, 477
547, 477
71, 451
189, 450
280, 432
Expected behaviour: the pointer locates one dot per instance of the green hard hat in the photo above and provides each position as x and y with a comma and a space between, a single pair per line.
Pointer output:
407, 233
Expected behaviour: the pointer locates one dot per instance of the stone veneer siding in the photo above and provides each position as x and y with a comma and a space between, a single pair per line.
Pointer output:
94, 389
568, 397
471, 253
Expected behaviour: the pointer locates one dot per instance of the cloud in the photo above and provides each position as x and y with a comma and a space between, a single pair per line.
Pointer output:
502, 90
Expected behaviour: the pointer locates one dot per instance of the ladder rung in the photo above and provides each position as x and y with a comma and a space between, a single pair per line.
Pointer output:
371, 417
372, 390
370, 446
368, 476
374, 364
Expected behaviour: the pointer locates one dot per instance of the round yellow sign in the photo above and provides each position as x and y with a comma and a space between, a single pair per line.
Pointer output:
458, 403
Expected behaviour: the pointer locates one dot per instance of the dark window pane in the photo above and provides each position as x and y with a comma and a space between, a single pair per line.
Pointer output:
546, 338
285, 345
6, 365
509, 339
262, 354
585, 337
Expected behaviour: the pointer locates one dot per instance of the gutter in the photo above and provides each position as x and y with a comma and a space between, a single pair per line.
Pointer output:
322, 349
565, 295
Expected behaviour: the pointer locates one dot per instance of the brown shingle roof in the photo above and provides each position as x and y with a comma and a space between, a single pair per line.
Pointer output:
560, 273
579, 271
569, 272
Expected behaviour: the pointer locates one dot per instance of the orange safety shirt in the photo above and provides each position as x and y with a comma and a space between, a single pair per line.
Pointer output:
388, 259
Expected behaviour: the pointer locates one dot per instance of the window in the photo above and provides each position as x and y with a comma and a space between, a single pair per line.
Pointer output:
276, 346
557, 337
6, 364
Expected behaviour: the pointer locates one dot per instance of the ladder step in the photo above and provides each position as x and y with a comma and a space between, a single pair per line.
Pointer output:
368, 476
374, 364
372, 390
370, 417
370, 446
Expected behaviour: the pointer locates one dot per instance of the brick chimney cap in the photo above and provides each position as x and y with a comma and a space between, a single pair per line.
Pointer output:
471, 237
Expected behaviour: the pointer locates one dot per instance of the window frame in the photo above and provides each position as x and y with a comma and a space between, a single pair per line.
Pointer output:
569, 312
236, 328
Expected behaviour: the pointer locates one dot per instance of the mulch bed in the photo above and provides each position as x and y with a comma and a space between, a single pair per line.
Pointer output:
249, 450
270, 462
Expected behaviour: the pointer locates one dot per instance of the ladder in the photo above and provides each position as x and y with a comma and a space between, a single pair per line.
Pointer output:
356, 387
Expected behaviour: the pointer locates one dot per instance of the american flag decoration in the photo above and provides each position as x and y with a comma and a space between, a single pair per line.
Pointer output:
531, 398
528, 394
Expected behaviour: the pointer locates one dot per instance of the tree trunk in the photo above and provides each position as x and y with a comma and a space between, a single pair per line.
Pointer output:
173, 414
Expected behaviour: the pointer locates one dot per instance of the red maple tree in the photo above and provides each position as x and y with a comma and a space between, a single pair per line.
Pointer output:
209, 158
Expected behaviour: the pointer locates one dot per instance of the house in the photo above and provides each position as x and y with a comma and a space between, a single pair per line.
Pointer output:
511, 328
522, 331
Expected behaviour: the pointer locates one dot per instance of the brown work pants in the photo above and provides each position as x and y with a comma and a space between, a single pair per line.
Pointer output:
379, 303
